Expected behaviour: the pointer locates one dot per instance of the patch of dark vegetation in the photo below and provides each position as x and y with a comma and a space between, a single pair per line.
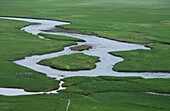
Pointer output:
34, 23
81, 47
41, 63
61, 29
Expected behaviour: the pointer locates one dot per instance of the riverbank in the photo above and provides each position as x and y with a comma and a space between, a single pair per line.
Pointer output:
101, 49
97, 94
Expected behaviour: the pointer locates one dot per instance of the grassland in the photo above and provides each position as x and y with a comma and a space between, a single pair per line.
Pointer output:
146, 22
72, 62
139, 21
97, 94
158, 62
34, 103
120, 94
16, 44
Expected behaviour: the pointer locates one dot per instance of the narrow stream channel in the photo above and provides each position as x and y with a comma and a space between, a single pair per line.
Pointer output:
101, 47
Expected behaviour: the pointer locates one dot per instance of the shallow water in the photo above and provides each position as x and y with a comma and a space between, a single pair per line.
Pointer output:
101, 47
19, 92
159, 94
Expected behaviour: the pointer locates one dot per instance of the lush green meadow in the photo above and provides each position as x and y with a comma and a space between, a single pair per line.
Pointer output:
114, 93
97, 94
139, 21
155, 60
146, 22
16, 44
72, 62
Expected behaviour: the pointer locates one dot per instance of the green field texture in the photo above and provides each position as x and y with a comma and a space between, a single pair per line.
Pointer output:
154, 60
72, 62
89, 85
97, 94
34, 103
115, 93
139, 21
15, 45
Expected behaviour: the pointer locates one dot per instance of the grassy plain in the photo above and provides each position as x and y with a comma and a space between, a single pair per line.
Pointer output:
16, 44
72, 62
97, 94
146, 22
155, 60
139, 21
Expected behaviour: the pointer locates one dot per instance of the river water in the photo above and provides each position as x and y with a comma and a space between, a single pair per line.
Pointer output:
101, 47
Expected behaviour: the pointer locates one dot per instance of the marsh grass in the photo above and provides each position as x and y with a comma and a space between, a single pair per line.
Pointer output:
16, 44
72, 62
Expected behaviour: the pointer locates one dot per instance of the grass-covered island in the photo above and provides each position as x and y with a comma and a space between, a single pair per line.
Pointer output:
72, 62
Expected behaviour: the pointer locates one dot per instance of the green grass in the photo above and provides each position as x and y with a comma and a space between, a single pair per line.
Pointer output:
72, 62
97, 94
16, 44
34, 103
139, 21
144, 22
89, 85
154, 60
114, 93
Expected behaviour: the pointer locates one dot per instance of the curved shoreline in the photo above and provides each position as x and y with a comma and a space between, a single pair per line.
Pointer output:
101, 48
19, 92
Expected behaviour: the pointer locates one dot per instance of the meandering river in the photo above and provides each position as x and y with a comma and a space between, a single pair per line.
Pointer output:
101, 47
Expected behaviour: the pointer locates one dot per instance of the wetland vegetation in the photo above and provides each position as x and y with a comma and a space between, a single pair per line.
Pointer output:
144, 22
72, 62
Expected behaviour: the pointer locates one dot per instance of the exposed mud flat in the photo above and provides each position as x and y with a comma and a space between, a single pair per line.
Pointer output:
81, 47
60, 29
